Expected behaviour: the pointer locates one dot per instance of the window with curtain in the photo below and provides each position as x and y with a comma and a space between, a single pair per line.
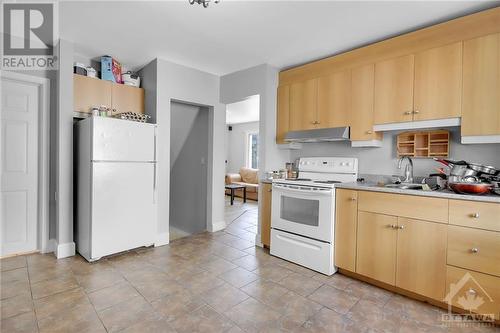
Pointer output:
252, 150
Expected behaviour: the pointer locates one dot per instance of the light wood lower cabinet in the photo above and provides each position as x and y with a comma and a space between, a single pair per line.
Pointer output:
463, 284
474, 249
376, 246
265, 213
428, 258
421, 257
346, 218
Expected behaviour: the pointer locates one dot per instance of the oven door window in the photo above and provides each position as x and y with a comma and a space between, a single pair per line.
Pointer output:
302, 211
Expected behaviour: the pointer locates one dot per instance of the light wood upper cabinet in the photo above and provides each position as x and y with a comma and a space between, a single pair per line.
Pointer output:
334, 100
421, 257
376, 246
362, 92
283, 113
438, 83
345, 228
90, 92
127, 99
394, 90
481, 86
265, 214
303, 105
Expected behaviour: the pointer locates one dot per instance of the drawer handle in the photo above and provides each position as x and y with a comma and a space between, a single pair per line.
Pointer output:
475, 215
472, 291
474, 250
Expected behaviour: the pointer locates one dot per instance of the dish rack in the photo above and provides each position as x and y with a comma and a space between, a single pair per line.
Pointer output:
133, 116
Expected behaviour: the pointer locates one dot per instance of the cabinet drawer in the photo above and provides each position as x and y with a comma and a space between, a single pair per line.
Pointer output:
411, 206
475, 284
482, 215
478, 250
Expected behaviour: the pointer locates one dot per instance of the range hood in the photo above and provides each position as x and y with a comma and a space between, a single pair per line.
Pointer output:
319, 135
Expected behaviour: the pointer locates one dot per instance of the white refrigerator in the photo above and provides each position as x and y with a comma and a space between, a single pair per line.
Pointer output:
116, 186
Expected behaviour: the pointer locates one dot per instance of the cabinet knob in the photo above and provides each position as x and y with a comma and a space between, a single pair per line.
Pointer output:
270, 190
471, 291
408, 112
369, 132
401, 227
416, 112
352, 199
393, 226
475, 215
474, 250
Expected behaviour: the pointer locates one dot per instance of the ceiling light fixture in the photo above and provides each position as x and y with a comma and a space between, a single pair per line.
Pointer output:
202, 2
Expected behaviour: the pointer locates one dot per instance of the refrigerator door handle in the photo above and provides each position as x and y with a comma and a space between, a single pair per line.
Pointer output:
154, 183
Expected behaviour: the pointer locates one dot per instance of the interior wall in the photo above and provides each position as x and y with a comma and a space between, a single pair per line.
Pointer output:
237, 145
188, 167
180, 83
383, 160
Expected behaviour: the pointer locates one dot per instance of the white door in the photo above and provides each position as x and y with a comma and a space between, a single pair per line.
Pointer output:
19, 166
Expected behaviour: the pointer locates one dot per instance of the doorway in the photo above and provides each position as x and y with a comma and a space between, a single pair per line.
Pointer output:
189, 173
24, 163
242, 166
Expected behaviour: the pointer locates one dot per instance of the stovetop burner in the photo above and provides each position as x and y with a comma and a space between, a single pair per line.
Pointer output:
328, 181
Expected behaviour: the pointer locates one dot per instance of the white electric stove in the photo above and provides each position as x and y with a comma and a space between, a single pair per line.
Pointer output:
303, 212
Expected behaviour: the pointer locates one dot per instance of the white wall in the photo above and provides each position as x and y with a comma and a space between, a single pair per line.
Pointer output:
237, 141
261, 80
179, 83
383, 160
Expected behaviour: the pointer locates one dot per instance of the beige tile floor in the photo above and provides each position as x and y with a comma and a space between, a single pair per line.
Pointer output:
210, 282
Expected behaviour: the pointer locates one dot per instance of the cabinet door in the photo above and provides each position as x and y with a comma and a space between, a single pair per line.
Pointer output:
421, 257
438, 83
346, 218
303, 105
334, 100
282, 113
265, 214
89, 92
394, 90
127, 98
376, 246
362, 90
481, 90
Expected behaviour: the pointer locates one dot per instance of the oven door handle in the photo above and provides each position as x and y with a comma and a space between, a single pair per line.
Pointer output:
297, 189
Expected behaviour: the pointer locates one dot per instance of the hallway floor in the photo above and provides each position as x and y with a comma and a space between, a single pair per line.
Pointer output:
210, 282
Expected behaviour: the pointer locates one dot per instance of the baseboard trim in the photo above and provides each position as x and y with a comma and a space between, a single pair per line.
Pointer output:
65, 250
258, 241
217, 226
162, 239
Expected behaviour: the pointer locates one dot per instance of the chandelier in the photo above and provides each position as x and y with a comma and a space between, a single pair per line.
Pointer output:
202, 2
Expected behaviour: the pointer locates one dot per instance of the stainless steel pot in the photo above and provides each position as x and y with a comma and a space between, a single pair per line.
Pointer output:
489, 170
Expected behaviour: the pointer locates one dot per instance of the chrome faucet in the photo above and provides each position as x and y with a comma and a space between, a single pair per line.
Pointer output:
408, 169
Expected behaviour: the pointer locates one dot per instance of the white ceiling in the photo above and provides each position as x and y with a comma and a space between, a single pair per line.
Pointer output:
234, 35
243, 112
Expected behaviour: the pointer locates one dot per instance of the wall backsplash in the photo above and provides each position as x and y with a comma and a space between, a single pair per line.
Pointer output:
383, 160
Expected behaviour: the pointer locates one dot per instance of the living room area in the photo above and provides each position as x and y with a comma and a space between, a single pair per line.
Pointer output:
242, 161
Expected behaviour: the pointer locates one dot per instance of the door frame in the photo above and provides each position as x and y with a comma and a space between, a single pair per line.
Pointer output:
43, 243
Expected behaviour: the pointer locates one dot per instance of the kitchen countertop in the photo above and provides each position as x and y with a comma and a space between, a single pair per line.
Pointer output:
436, 194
